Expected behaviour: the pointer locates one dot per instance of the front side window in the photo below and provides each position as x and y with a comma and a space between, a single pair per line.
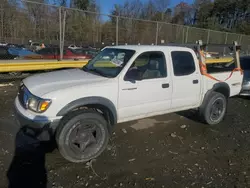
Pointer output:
148, 65
183, 63
109, 62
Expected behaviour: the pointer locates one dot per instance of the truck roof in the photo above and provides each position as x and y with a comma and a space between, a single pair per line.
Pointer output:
150, 47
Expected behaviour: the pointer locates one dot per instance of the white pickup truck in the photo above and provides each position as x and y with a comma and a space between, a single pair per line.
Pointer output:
122, 83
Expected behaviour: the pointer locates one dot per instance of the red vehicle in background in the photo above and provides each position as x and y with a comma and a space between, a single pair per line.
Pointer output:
54, 53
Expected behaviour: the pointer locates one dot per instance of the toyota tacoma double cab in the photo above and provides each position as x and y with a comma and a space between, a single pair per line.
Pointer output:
80, 107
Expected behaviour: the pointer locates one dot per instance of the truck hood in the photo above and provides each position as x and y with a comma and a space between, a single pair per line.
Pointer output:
44, 83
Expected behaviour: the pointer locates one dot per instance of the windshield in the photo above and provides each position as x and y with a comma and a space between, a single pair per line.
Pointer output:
110, 61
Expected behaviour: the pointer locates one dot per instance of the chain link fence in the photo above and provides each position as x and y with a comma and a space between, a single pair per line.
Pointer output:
39, 22
60, 26
55, 25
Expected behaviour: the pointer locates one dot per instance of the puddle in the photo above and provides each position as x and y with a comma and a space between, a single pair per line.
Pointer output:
148, 123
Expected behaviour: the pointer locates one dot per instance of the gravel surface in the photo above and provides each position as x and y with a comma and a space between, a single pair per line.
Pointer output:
173, 150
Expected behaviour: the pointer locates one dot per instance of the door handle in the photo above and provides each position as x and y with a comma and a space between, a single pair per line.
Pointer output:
195, 81
165, 85
132, 88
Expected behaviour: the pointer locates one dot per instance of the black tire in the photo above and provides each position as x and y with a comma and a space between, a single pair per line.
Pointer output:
70, 149
208, 111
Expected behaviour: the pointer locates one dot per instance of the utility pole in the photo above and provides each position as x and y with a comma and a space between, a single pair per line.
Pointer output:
2, 24
60, 30
117, 30
157, 33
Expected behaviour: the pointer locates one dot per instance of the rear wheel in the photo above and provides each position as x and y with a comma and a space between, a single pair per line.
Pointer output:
83, 137
214, 109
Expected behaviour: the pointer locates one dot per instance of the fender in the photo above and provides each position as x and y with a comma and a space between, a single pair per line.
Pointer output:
221, 87
86, 101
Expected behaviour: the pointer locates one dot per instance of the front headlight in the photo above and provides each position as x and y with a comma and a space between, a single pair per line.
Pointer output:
37, 104
32, 102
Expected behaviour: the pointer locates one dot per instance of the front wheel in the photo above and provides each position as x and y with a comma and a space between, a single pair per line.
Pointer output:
83, 137
214, 109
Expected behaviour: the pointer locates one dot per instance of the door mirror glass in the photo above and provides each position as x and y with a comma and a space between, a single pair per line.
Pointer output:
133, 75
139, 76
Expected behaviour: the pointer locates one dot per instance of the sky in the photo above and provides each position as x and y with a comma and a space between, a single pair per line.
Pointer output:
107, 5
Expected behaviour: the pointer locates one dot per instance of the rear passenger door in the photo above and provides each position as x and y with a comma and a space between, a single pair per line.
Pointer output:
186, 80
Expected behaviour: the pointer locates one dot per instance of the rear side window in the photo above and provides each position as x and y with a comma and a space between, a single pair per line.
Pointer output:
183, 63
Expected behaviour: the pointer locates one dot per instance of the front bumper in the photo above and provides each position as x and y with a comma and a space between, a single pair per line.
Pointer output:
42, 127
245, 91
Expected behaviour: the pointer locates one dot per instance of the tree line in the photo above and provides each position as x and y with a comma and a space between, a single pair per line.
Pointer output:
222, 15
21, 20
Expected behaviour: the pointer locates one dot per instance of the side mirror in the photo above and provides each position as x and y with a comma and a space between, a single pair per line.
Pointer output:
133, 75
138, 76
88, 61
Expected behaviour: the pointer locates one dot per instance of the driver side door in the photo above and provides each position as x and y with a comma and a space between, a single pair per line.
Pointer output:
148, 94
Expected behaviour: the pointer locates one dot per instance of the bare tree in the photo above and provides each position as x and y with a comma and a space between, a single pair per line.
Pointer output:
162, 6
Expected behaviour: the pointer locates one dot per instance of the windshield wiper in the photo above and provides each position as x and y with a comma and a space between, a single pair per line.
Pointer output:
99, 72
85, 68
93, 70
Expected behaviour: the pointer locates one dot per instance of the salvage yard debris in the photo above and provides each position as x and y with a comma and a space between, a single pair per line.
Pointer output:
150, 179
124, 131
173, 135
6, 84
183, 126
131, 160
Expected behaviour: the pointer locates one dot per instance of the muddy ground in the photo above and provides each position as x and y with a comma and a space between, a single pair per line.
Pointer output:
172, 150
